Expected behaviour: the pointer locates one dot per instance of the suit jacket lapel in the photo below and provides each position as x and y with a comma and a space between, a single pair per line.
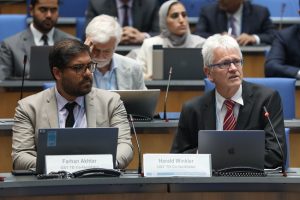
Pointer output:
244, 111
245, 16
28, 40
209, 112
51, 108
90, 110
136, 15
222, 21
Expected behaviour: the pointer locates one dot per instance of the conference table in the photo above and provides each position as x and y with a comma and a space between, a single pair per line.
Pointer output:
134, 186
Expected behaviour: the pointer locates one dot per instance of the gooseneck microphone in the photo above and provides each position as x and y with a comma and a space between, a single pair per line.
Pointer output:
267, 115
23, 75
138, 145
166, 96
282, 10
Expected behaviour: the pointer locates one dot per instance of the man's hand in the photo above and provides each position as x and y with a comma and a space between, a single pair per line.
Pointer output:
131, 35
89, 43
245, 39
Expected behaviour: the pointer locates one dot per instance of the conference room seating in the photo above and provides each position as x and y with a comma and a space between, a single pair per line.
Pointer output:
286, 89
80, 27
193, 7
69, 8
11, 24
280, 8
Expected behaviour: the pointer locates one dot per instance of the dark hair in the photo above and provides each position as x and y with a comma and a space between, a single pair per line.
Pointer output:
64, 51
33, 2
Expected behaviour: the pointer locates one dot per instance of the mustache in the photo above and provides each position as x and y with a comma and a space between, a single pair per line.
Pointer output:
87, 79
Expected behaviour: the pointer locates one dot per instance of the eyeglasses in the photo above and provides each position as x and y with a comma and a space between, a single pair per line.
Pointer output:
227, 64
81, 68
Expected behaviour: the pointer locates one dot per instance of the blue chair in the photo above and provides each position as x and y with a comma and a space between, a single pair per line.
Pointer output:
276, 7
11, 24
80, 27
286, 89
193, 7
47, 85
69, 8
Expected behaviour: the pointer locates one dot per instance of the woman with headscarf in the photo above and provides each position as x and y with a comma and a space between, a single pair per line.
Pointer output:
174, 33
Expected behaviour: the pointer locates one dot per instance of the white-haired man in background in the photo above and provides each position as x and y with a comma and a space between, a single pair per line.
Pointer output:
114, 71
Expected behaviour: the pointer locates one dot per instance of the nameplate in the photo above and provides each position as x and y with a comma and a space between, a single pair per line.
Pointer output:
72, 163
169, 165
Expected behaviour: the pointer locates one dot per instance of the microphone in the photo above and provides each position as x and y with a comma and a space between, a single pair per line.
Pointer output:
282, 10
166, 97
267, 115
23, 75
138, 145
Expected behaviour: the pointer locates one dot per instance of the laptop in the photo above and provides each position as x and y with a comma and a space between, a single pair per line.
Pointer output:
186, 63
141, 104
75, 141
39, 63
236, 148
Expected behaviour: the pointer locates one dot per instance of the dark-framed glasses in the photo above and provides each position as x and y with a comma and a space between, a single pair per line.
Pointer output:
227, 64
81, 68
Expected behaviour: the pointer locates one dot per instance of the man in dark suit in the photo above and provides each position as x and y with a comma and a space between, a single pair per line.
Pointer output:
283, 60
248, 23
234, 104
40, 32
141, 20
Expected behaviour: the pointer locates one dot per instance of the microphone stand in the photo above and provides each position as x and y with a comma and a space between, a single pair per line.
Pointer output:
281, 14
23, 76
275, 135
166, 96
138, 145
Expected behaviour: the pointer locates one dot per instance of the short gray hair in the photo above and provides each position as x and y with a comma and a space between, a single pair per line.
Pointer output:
102, 28
218, 41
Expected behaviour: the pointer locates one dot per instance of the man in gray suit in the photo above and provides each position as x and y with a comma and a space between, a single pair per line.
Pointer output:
72, 69
139, 23
40, 32
114, 71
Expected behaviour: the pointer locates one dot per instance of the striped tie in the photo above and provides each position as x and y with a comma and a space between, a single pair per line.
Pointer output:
229, 120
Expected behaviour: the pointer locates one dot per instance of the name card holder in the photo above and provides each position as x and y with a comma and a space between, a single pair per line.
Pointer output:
171, 165
72, 163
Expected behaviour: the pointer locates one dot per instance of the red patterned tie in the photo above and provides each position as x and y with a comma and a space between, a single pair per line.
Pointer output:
229, 120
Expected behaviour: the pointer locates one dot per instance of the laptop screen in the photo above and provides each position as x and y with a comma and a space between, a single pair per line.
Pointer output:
140, 103
39, 63
237, 148
187, 63
75, 141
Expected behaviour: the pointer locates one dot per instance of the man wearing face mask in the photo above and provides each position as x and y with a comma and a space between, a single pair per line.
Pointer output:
114, 71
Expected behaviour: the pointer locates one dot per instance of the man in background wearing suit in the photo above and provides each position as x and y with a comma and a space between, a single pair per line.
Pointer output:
283, 59
73, 102
139, 18
40, 32
114, 71
233, 104
248, 23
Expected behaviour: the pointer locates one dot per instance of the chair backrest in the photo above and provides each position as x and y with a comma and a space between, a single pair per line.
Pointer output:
280, 8
80, 27
193, 7
285, 87
11, 24
69, 8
